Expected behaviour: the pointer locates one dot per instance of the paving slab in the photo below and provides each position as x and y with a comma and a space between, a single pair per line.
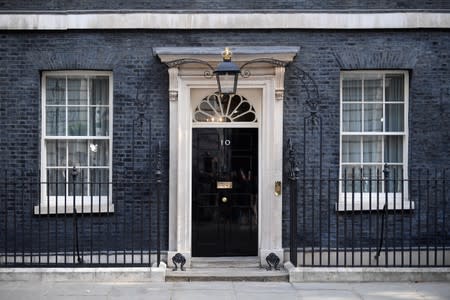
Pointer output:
391, 295
73, 297
203, 295
262, 286
322, 285
138, 293
386, 290
264, 290
434, 291
211, 285
328, 294
266, 296
24, 290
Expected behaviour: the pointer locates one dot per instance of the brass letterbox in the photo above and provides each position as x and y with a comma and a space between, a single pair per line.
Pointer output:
224, 185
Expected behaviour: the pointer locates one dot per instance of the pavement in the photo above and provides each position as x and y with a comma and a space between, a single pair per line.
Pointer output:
31, 290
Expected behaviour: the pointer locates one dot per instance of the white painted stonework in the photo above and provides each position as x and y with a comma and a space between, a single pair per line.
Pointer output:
265, 88
207, 20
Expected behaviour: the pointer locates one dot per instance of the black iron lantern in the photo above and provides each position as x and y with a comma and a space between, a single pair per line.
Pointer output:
227, 74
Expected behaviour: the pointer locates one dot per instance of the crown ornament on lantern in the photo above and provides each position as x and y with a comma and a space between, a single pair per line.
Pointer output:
226, 54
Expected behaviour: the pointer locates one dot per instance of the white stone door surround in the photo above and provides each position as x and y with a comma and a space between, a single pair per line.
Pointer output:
268, 80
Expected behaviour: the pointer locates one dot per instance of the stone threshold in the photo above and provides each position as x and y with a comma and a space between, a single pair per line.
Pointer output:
228, 274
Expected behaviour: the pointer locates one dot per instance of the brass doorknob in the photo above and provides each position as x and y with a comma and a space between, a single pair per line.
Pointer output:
224, 199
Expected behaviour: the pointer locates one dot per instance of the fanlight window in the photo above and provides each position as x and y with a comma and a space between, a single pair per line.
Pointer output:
224, 108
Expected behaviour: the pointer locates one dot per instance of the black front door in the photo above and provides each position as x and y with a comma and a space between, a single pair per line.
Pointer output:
224, 191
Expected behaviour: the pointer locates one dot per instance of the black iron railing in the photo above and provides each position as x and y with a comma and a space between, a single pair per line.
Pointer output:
381, 218
356, 219
113, 223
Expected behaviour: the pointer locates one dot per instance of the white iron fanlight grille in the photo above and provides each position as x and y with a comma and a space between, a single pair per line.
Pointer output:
224, 108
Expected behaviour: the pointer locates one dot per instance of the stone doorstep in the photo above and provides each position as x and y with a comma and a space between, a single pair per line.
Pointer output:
357, 274
246, 268
225, 262
227, 274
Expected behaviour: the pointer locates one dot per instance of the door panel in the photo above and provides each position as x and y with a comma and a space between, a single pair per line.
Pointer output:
225, 215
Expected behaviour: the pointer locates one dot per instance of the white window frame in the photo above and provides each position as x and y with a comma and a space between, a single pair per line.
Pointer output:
86, 203
349, 201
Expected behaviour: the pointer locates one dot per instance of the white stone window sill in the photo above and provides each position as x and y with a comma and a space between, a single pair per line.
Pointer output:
83, 205
352, 202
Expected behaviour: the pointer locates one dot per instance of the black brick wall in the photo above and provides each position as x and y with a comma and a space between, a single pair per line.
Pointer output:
128, 54
220, 5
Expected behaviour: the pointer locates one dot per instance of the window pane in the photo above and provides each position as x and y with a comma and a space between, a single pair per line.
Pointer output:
201, 117
372, 180
373, 115
77, 124
350, 179
351, 90
206, 107
214, 105
56, 90
56, 182
77, 91
100, 182
245, 117
99, 152
351, 117
372, 148
99, 121
394, 117
56, 121
373, 90
394, 179
394, 87
56, 153
351, 149
393, 149
99, 90
230, 104
77, 153
243, 107
81, 183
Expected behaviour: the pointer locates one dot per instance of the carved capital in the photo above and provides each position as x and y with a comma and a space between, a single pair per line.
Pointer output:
173, 95
279, 94
279, 82
173, 84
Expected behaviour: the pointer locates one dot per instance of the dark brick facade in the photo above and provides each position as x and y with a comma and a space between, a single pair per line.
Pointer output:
138, 75
220, 5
